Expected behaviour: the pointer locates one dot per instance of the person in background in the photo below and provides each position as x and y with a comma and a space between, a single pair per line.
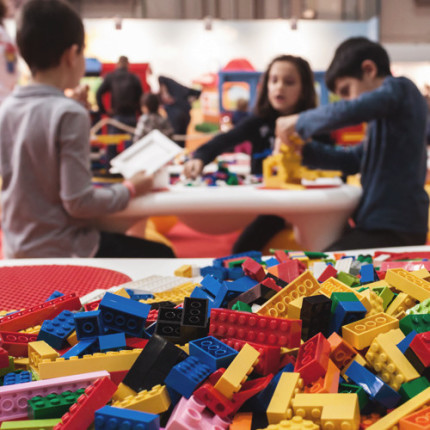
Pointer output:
241, 112
8, 57
126, 90
176, 100
48, 201
151, 118
287, 87
393, 210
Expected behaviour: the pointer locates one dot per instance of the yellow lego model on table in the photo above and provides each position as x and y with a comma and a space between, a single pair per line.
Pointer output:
285, 170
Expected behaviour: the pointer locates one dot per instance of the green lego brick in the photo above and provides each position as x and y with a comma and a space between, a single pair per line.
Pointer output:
341, 297
30, 424
361, 394
418, 322
420, 308
365, 259
348, 279
240, 306
52, 405
412, 388
386, 294
236, 263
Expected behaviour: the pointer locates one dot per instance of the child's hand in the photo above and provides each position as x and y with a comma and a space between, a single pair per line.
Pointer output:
193, 168
142, 183
285, 127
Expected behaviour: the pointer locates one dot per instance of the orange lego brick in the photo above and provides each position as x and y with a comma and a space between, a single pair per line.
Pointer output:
277, 306
419, 420
408, 283
241, 421
237, 372
341, 352
296, 423
388, 361
360, 334
327, 384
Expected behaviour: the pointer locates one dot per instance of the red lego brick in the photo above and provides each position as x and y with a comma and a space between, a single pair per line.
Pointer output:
281, 256
421, 346
81, 414
35, 315
4, 358
226, 323
136, 342
270, 283
312, 359
269, 359
92, 306
221, 405
341, 352
118, 376
329, 272
152, 316
16, 344
253, 269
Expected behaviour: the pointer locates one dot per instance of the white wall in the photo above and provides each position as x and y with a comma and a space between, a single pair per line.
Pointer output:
185, 51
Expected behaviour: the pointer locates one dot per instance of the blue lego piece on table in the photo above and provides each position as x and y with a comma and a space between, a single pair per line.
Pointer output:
113, 418
187, 375
404, 343
56, 331
212, 352
85, 346
368, 274
345, 313
272, 261
124, 315
373, 386
138, 297
88, 324
210, 289
234, 273
112, 342
219, 273
13, 378
54, 295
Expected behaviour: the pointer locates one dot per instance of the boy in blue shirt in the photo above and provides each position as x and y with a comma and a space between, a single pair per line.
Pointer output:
393, 210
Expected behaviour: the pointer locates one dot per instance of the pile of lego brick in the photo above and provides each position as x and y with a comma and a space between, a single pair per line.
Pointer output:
291, 341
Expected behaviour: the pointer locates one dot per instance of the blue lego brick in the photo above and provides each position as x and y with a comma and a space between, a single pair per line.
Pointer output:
234, 273
219, 273
150, 330
122, 314
138, 297
88, 324
345, 313
210, 289
243, 284
54, 295
16, 378
368, 274
256, 255
113, 418
212, 352
404, 343
56, 331
112, 342
373, 386
272, 261
187, 375
85, 346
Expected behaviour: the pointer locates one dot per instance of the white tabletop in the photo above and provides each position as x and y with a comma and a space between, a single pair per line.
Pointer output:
317, 214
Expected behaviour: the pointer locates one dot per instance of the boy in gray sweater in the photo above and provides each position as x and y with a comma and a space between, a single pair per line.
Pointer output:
47, 195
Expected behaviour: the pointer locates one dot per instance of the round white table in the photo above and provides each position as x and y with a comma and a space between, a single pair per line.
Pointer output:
318, 215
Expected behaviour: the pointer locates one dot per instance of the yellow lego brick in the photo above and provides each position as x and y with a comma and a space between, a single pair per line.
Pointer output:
408, 283
185, 271
333, 285
111, 361
111, 139
390, 421
238, 370
360, 334
122, 292
296, 423
32, 330
40, 351
185, 348
22, 363
294, 308
3, 313
376, 302
331, 411
400, 304
175, 295
388, 361
155, 401
122, 392
277, 306
280, 405
73, 339
422, 274
45, 424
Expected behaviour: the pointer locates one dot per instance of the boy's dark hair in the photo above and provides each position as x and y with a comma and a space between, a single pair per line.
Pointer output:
3, 10
151, 102
47, 28
308, 95
349, 56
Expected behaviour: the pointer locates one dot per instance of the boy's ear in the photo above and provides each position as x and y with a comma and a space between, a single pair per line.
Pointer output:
369, 69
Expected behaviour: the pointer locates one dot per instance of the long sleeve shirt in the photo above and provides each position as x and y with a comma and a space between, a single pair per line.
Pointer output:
47, 197
391, 160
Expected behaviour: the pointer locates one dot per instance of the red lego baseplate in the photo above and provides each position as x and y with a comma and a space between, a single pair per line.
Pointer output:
25, 286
